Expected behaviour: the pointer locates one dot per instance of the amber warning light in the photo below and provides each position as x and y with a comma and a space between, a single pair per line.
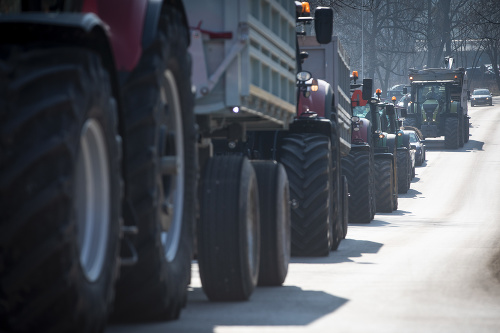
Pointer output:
306, 9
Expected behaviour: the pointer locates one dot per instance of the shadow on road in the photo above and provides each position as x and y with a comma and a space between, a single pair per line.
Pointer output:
268, 306
438, 145
411, 192
349, 248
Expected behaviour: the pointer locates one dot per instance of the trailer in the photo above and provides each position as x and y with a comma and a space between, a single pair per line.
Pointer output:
245, 68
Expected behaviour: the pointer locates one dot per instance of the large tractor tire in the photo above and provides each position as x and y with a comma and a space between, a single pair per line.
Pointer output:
275, 229
336, 209
384, 185
160, 177
345, 206
60, 190
461, 131
404, 171
229, 229
357, 167
451, 133
466, 129
307, 160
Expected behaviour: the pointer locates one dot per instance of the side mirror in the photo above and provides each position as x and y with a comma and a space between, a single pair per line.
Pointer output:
367, 89
468, 95
412, 146
323, 24
405, 90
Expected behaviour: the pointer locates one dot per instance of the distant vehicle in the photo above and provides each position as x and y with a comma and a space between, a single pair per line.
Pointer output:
417, 143
396, 90
404, 100
481, 96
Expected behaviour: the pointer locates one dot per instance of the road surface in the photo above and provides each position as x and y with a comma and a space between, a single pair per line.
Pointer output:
431, 266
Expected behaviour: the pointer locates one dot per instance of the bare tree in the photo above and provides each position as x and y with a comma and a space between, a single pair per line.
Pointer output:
483, 18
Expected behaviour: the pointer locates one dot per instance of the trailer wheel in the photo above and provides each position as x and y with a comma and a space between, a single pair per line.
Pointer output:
274, 202
60, 190
384, 185
229, 229
404, 171
307, 160
160, 177
345, 206
451, 133
357, 167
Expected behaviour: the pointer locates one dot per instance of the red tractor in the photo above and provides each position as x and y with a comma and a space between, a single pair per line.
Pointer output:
97, 163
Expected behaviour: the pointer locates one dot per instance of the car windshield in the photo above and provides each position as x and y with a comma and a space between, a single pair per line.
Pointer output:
481, 92
413, 137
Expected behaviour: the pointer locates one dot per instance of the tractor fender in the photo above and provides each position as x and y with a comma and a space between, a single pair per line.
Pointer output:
406, 140
360, 147
386, 156
312, 125
70, 29
363, 134
391, 142
319, 101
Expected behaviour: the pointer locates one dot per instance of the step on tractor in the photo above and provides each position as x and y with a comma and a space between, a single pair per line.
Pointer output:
369, 123
439, 104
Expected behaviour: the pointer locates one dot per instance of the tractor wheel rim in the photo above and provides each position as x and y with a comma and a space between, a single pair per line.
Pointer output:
173, 176
92, 199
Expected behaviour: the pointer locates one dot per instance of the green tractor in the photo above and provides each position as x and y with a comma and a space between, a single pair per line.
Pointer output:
370, 128
438, 105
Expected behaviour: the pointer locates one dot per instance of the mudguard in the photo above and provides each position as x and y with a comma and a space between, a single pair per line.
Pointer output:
78, 29
319, 101
364, 132
387, 156
116, 31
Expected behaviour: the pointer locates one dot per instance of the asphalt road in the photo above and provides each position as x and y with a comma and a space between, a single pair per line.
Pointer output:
431, 266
